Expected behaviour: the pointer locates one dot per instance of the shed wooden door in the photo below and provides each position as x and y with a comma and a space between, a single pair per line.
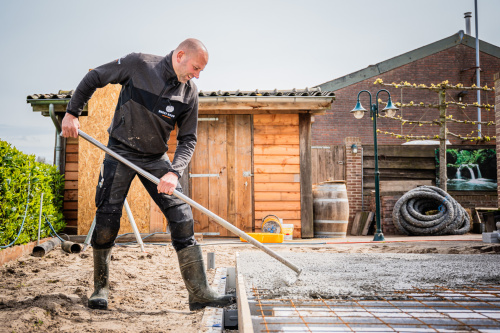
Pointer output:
221, 172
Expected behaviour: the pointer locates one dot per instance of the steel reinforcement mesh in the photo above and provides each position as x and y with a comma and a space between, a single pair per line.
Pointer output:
438, 309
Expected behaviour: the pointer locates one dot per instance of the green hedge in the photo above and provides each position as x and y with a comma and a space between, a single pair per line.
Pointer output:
17, 170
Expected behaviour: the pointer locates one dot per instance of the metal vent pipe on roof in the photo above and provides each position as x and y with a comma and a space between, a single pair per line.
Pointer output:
467, 16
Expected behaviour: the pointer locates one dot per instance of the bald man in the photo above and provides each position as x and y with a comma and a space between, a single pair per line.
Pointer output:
157, 94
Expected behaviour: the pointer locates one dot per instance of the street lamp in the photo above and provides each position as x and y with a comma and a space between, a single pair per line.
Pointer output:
358, 113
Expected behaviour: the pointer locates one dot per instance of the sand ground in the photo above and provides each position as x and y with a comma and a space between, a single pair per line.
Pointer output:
49, 294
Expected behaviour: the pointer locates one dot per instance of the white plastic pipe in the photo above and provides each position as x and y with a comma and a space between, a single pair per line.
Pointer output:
134, 226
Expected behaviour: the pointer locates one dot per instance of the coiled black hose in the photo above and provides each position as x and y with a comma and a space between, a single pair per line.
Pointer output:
409, 214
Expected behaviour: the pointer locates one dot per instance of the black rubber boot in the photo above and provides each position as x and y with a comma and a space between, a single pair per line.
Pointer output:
99, 299
194, 275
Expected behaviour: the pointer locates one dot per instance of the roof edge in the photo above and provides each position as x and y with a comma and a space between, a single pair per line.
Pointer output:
408, 57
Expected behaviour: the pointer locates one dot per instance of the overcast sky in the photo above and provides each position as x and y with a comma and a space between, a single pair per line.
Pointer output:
47, 46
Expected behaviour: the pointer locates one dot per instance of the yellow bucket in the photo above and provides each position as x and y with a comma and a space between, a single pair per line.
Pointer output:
266, 237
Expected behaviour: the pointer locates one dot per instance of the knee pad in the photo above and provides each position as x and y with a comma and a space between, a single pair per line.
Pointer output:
181, 224
106, 229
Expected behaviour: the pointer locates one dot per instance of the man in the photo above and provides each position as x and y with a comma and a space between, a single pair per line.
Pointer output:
156, 95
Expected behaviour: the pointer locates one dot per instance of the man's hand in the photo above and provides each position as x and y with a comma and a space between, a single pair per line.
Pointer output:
168, 183
70, 126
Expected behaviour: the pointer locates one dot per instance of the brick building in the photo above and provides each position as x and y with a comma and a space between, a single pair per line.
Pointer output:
451, 59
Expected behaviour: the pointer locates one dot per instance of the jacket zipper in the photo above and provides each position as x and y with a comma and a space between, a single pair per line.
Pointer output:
159, 97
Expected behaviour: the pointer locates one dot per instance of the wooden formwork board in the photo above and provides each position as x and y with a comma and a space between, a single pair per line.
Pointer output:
244, 316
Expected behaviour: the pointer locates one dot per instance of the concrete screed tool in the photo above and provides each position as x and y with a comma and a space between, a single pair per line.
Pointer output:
194, 204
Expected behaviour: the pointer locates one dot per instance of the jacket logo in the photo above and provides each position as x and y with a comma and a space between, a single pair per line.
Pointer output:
168, 112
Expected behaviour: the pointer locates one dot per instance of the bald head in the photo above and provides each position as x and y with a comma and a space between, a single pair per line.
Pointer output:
189, 59
192, 46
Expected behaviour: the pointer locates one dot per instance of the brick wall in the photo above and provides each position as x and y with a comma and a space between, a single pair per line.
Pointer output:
354, 177
455, 64
497, 118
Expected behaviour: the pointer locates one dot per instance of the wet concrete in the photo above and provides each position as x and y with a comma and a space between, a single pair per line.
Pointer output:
332, 275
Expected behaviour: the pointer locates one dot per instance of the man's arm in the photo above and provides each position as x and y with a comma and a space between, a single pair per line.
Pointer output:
118, 71
187, 126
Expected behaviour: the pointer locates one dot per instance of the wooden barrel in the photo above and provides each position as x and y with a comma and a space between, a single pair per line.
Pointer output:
330, 209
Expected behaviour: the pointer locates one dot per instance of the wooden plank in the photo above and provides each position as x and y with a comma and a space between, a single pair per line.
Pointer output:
72, 166
71, 175
70, 205
277, 187
402, 185
288, 150
277, 206
315, 166
70, 223
401, 163
273, 130
359, 223
286, 119
199, 185
276, 139
338, 155
71, 148
291, 214
218, 165
263, 168
277, 178
400, 151
156, 238
244, 191
369, 221
71, 157
231, 169
306, 197
71, 214
244, 315
401, 173
277, 196
70, 195
276, 159
71, 185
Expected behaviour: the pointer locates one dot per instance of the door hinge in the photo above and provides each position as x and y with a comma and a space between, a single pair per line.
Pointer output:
247, 174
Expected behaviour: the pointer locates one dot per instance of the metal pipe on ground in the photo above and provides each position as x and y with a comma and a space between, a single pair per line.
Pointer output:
71, 247
194, 204
46, 247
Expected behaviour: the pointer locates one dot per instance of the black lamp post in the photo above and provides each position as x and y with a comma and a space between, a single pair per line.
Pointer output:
358, 113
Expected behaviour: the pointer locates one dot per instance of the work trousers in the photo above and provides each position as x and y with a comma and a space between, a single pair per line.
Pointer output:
112, 188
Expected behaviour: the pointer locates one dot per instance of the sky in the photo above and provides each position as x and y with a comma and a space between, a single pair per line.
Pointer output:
47, 46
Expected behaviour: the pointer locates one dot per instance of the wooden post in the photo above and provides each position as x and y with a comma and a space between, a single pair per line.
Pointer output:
306, 197
442, 140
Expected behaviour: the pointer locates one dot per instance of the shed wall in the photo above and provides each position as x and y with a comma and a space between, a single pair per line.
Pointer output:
101, 109
277, 169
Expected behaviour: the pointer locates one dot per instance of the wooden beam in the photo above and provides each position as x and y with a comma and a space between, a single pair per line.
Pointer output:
244, 315
306, 202
401, 151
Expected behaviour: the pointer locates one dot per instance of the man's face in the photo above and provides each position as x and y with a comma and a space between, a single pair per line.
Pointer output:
189, 66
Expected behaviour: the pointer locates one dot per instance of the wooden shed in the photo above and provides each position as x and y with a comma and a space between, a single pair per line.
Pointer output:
252, 159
